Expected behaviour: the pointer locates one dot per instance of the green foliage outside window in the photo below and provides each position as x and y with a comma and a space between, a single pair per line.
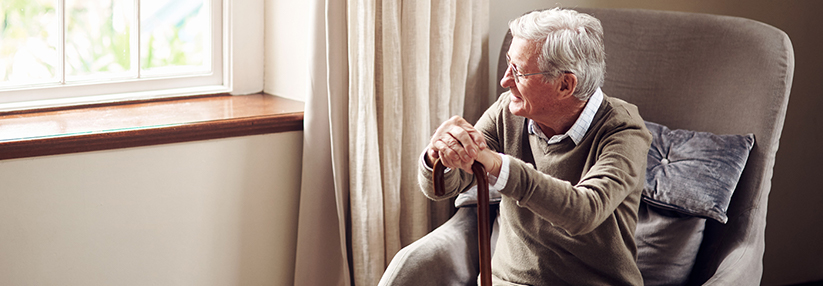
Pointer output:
98, 39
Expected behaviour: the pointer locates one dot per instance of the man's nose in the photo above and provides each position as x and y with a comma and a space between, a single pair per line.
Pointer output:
508, 78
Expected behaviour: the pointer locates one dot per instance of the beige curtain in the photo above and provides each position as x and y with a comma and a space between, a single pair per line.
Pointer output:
322, 255
384, 75
412, 65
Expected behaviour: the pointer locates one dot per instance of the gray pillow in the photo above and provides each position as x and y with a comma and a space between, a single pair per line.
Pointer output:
694, 173
667, 245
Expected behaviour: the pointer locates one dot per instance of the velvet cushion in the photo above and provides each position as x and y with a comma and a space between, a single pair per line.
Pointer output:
694, 173
667, 244
690, 177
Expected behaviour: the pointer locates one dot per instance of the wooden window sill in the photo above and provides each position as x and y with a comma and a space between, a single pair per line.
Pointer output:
151, 122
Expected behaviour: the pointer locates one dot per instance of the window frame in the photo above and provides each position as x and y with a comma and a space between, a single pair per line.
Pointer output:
240, 33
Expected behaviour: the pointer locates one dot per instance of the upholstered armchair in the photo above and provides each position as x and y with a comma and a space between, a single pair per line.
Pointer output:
708, 73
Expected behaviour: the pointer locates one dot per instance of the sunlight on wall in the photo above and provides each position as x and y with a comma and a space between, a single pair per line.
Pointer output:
215, 212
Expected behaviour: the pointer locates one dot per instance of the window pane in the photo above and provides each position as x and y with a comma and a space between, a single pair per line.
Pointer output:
175, 37
29, 33
97, 39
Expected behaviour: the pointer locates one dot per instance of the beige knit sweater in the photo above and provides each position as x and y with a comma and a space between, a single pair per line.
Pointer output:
568, 212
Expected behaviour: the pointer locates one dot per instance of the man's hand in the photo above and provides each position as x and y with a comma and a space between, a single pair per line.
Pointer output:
456, 143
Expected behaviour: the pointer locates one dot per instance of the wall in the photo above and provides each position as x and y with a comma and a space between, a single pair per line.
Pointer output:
216, 212
287, 26
794, 226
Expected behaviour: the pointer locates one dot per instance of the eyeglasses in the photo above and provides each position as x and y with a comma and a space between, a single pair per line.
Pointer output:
517, 74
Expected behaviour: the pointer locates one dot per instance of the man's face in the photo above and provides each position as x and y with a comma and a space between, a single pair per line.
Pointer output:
531, 97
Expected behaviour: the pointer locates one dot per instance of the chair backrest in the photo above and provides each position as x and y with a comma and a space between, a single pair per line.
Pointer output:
719, 74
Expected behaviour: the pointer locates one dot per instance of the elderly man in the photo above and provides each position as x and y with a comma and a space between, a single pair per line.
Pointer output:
568, 160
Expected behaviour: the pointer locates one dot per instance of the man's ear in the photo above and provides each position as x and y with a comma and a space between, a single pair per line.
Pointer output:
568, 84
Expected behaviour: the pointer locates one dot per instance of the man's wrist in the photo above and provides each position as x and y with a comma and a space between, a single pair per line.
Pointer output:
491, 160
498, 162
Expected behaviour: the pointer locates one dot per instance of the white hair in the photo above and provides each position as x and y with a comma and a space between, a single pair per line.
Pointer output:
568, 41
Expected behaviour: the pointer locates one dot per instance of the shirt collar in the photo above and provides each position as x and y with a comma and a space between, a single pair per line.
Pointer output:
580, 126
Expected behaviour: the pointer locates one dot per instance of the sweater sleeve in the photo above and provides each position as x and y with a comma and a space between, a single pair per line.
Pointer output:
618, 171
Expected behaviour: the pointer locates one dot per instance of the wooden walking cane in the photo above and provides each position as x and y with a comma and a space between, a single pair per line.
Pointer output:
483, 225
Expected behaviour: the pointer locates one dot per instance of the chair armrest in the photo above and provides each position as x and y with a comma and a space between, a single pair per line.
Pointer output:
446, 256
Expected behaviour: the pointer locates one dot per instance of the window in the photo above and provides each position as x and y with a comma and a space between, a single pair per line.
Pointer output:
59, 50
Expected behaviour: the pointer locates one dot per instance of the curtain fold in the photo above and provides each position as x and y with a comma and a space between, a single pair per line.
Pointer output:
383, 76
323, 249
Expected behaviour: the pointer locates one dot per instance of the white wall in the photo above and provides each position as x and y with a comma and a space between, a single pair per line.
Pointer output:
286, 48
794, 228
216, 212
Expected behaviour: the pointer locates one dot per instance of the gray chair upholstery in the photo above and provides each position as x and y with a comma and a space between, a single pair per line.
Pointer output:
719, 74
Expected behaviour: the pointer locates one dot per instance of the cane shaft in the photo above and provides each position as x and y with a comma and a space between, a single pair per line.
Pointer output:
483, 224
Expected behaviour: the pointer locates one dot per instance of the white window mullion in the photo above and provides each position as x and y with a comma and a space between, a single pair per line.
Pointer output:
61, 44
135, 40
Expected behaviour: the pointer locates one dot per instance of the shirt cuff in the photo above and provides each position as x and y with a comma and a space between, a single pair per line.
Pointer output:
499, 182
